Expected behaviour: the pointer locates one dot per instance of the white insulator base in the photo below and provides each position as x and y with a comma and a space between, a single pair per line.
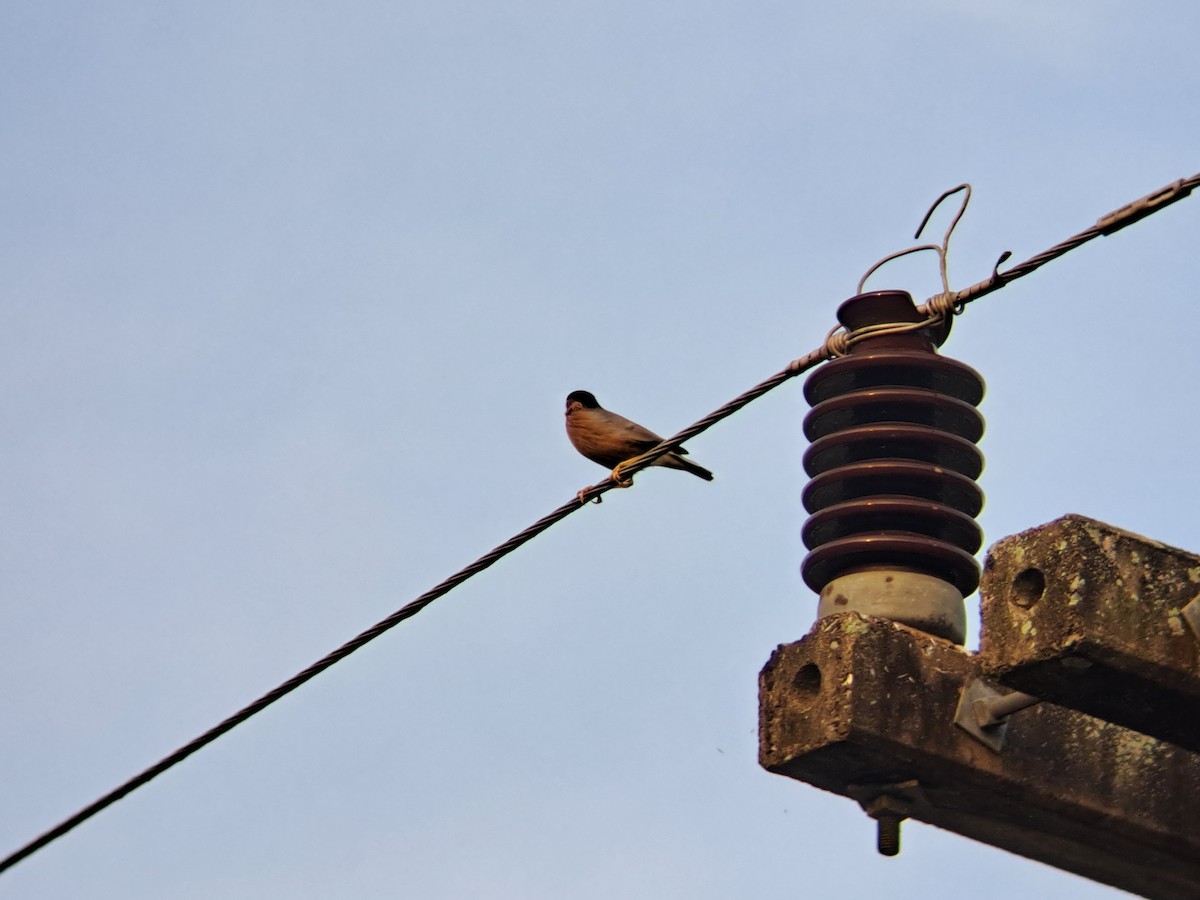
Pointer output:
913, 598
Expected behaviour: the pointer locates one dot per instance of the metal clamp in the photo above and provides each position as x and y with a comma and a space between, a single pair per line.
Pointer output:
983, 712
1191, 615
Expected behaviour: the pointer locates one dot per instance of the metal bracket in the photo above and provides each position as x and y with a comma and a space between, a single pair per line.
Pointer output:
1191, 615
983, 712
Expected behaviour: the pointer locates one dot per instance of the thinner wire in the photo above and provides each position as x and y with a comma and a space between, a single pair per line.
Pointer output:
942, 250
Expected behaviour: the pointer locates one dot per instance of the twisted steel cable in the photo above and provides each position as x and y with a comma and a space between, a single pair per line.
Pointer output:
835, 345
405, 612
1106, 225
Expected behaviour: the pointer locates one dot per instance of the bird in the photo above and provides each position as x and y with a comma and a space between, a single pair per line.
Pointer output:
609, 439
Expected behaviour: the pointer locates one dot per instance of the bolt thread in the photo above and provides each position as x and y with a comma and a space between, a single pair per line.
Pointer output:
887, 839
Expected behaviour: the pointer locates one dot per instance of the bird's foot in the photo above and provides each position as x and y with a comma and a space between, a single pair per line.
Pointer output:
619, 478
584, 499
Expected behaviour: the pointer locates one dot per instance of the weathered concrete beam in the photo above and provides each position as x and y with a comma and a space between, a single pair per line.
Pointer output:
1094, 618
865, 707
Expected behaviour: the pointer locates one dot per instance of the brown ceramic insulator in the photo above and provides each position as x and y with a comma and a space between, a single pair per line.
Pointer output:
879, 514
913, 406
893, 531
897, 368
893, 457
893, 477
892, 440
892, 550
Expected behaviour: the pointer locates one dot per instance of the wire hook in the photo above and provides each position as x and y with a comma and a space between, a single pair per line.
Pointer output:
997, 275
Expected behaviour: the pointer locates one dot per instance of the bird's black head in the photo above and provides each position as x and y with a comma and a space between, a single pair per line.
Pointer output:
585, 399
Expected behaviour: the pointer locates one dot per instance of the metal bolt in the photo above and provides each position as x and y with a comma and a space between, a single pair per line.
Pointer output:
983, 712
888, 812
887, 837
889, 805
994, 710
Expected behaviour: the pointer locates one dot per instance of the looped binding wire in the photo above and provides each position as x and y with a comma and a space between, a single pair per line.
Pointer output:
942, 306
837, 342
937, 309
942, 250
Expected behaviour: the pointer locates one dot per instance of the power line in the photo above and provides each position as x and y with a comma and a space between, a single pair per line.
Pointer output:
836, 344
405, 612
1105, 225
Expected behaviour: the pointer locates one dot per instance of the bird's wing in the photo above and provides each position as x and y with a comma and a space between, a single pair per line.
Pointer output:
644, 438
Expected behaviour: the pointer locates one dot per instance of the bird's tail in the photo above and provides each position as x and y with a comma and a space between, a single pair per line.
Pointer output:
675, 461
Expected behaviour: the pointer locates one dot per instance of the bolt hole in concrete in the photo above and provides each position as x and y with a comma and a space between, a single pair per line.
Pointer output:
808, 682
1028, 587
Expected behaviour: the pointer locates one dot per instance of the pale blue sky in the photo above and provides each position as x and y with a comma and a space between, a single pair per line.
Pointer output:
290, 297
